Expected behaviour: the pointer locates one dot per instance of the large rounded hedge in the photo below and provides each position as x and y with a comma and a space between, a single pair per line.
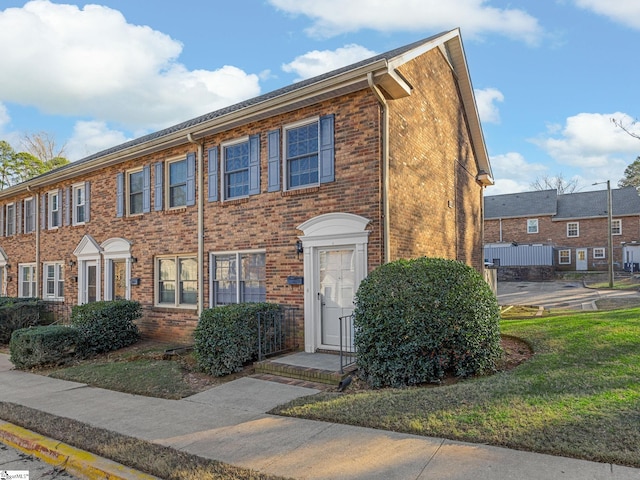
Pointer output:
419, 320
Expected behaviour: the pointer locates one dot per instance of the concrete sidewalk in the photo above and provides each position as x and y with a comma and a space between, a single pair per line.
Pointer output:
228, 423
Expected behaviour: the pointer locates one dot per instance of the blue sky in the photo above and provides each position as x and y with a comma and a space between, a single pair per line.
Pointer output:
549, 75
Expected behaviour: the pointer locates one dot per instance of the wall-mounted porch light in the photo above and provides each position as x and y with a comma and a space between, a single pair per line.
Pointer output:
72, 263
299, 248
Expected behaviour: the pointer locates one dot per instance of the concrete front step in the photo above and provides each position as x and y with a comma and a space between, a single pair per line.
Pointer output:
310, 374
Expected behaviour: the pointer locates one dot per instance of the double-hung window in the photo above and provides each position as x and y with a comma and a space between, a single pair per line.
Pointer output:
79, 203
573, 229
532, 225
53, 281
29, 216
616, 227
27, 281
564, 257
177, 281
238, 277
177, 183
598, 252
236, 169
309, 153
10, 226
135, 192
53, 209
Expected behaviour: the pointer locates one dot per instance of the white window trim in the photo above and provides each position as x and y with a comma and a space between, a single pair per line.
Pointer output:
599, 250
156, 286
167, 182
223, 178
50, 211
238, 254
34, 282
7, 217
619, 222
24, 215
56, 265
577, 224
74, 212
285, 163
560, 257
127, 191
530, 222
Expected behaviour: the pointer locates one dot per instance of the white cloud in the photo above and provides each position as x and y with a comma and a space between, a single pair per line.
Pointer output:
486, 100
91, 137
512, 173
592, 140
91, 62
318, 62
474, 17
626, 12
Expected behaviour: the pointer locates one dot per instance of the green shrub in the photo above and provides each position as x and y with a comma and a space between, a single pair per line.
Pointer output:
45, 345
16, 313
106, 326
419, 320
227, 337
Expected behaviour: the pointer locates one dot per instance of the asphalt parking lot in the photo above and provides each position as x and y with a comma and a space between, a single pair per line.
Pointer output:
571, 295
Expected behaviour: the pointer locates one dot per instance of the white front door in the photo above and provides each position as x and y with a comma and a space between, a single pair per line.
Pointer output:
337, 289
90, 282
581, 259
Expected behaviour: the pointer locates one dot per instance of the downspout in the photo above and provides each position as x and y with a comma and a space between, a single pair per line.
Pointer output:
36, 205
500, 229
200, 201
385, 166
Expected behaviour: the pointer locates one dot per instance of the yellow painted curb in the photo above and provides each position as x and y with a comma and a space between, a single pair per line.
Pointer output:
77, 462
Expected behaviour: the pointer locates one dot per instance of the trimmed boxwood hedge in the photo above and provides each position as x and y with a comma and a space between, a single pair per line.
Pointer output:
45, 345
106, 326
418, 320
227, 337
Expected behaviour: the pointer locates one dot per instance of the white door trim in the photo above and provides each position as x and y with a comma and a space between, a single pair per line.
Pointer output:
328, 231
582, 264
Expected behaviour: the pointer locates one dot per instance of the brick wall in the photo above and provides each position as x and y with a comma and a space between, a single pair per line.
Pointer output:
435, 202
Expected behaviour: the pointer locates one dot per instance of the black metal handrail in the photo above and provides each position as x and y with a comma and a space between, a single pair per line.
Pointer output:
348, 354
277, 331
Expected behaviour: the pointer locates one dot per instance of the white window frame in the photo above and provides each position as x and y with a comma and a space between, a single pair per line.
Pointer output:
127, 188
569, 229
599, 253
75, 206
178, 290
532, 225
568, 261
29, 222
239, 281
58, 281
167, 183
285, 153
616, 230
10, 219
223, 172
50, 210
33, 287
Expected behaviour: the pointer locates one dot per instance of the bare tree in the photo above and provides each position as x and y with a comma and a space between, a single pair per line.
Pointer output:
625, 128
43, 146
557, 183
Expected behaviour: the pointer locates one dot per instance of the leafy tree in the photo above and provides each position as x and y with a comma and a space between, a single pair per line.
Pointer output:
557, 182
631, 175
40, 157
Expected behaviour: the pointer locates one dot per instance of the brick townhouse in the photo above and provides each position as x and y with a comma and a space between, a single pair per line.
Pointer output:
575, 224
290, 197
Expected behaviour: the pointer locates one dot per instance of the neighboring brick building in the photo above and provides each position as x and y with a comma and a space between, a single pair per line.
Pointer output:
575, 224
290, 197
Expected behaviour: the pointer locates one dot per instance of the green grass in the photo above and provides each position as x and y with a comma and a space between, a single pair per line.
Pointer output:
154, 378
578, 396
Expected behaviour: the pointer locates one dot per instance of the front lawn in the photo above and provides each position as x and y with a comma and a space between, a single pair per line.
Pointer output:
578, 396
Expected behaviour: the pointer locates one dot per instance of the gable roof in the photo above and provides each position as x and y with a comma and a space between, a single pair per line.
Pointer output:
381, 69
525, 204
594, 204
625, 201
